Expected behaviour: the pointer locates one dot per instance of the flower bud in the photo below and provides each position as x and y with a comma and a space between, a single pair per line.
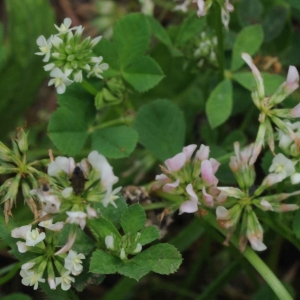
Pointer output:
123, 254
138, 248
22, 140
109, 242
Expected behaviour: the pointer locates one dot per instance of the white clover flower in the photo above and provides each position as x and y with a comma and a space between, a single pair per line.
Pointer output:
20, 232
77, 217
45, 47
65, 280
30, 278
22, 248
78, 76
110, 196
98, 68
183, 7
60, 79
73, 262
65, 26
95, 41
48, 224
67, 192
33, 237
61, 164
27, 266
49, 67
282, 166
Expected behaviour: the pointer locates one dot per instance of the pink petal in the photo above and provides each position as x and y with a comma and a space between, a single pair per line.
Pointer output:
208, 199
266, 205
188, 207
295, 112
207, 173
256, 244
175, 163
222, 197
191, 192
188, 151
162, 178
288, 207
292, 80
215, 165
202, 153
169, 187
222, 213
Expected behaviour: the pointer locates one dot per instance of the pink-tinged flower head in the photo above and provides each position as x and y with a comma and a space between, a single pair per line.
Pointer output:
169, 187
202, 153
176, 163
292, 81
207, 173
188, 151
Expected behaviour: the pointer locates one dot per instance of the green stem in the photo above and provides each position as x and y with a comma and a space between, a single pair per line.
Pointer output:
89, 88
156, 205
119, 121
274, 283
219, 31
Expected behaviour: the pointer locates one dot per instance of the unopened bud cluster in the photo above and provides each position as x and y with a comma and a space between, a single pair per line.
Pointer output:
193, 178
123, 246
24, 175
67, 56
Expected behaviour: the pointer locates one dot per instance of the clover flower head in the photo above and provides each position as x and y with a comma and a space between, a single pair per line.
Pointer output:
73, 262
45, 47
65, 280
30, 278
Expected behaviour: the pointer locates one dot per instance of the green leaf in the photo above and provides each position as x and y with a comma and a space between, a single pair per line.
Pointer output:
102, 227
190, 27
219, 104
15, 296
271, 81
248, 40
249, 12
296, 224
161, 259
110, 55
69, 125
133, 219
274, 22
115, 142
161, 34
131, 37
143, 74
294, 3
114, 214
104, 263
133, 270
22, 72
86, 278
148, 235
161, 128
